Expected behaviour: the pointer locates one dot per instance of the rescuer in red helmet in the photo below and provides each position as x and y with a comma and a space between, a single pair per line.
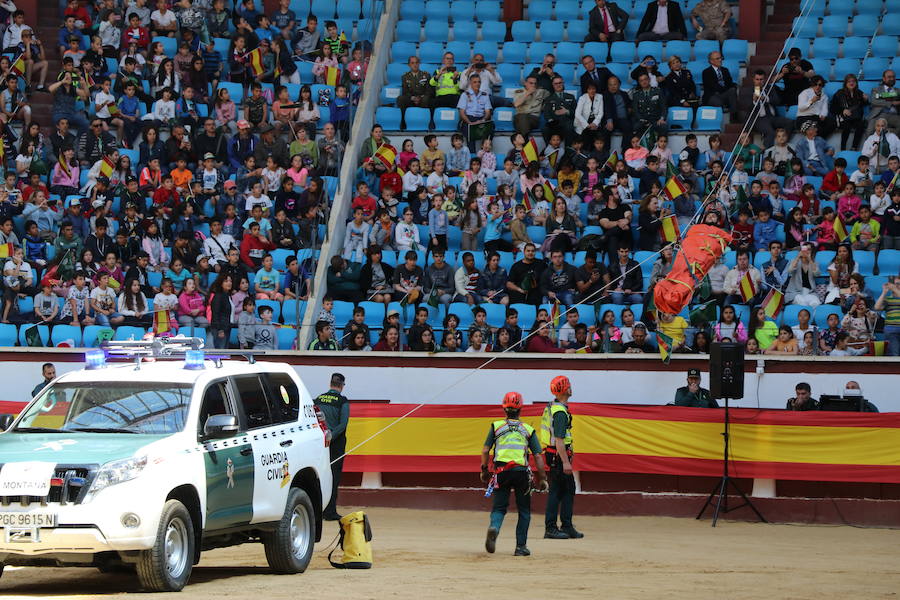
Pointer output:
556, 439
512, 440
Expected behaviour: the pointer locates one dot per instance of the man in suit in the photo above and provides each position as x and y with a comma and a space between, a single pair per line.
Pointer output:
718, 87
606, 23
815, 153
885, 99
760, 101
616, 111
662, 21
599, 76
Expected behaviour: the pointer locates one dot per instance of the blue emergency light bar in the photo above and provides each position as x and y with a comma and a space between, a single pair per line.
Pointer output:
193, 360
94, 359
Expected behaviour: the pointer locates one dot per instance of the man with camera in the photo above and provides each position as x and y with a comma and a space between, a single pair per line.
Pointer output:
692, 394
545, 74
490, 79
445, 82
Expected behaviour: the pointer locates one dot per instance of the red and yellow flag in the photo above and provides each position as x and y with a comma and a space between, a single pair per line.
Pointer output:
387, 154
549, 192
18, 66
161, 322
773, 303
106, 166
840, 231
877, 348
345, 43
612, 161
747, 288
669, 229
254, 61
332, 75
674, 188
554, 314
7, 250
530, 152
526, 202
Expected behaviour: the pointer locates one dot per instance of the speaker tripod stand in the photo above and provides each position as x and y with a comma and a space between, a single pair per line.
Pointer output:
721, 488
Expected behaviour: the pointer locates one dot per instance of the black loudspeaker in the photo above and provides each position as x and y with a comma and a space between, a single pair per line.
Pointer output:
726, 370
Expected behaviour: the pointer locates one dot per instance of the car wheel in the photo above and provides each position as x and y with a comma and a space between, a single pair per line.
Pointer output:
289, 548
167, 566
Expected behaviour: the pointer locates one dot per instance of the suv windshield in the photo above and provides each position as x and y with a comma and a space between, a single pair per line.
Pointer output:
110, 407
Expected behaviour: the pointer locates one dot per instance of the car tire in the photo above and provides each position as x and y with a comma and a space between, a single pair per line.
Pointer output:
289, 548
166, 567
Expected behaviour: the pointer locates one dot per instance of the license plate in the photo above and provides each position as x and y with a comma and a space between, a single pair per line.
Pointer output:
17, 519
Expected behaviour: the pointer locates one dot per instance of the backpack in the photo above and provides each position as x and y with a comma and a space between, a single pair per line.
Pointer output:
356, 542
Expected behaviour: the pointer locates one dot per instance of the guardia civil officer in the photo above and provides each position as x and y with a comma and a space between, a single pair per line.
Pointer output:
512, 440
336, 408
556, 439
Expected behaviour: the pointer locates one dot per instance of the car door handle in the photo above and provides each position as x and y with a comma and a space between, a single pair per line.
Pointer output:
286, 443
247, 451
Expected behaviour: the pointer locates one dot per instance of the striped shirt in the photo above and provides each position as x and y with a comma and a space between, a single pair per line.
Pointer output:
892, 310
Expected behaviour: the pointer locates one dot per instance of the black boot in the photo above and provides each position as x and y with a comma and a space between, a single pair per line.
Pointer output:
490, 544
554, 533
522, 551
571, 532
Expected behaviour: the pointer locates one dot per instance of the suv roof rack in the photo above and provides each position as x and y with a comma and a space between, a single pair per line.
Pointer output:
159, 347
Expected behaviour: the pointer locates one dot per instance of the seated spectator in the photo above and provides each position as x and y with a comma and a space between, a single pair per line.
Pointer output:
767, 120
719, 89
884, 100
802, 399
662, 21
815, 154
626, 280
589, 115
762, 329
812, 107
713, 18
859, 323
539, 339
445, 82
389, 340
528, 102
492, 283
615, 220
785, 343
649, 106
729, 327
415, 90
839, 271
618, 116
842, 346
525, 276
343, 280
801, 276
416, 330
866, 232
591, 279
557, 282
191, 306
324, 339
408, 280
692, 394
679, 85
736, 274
847, 107
796, 74
606, 23
559, 112
376, 278
881, 145
467, 281
638, 343
889, 302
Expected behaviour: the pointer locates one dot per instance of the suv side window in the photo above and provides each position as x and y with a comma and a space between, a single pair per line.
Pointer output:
284, 397
215, 402
253, 401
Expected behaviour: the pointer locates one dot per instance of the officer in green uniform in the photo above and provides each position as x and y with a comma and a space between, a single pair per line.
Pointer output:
415, 88
446, 83
512, 440
556, 439
559, 112
336, 408
694, 395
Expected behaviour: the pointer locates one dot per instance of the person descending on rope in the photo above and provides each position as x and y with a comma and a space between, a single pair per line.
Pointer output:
512, 440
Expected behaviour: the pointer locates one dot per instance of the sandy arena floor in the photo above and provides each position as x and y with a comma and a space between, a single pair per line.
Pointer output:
429, 554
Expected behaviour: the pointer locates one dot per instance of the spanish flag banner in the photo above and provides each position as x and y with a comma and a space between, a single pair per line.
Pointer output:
670, 440
746, 287
254, 61
526, 202
530, 152
332, 76
161, 322
554, 314
612, 161
386, 154
674, 188
669, 228
773, 303
18, 66
552, 156
840, 231
549, 192
7, 250
106, 166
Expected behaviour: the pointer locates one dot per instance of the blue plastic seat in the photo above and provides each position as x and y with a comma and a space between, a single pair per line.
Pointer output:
576, 31
736, 50
540, 10
865, 25
511, 73
429, 52
487, 49
654, 49
890, 26
622, 52
679, 48
503, 118
348, 9
884, 46
855, 47
417, 119
680, 117
568, 52
487, 10
408, 31
869, 7
493, 31
709, 118
68, 334
809, 28
569, 10
289, 311
287, 337
840, 9
446, 119
127, 332
401, 51
304, 69
888, 263
835, 25
8, 334
323, 9
436, 30
89, 336
462, 50
513, 52
170, 45
865, 262
842, 66
873, 67
598, 50
235, 91
825, 48
463, 10
437, 10
537, 51
395, 71
524, 31
388, 117
465, 31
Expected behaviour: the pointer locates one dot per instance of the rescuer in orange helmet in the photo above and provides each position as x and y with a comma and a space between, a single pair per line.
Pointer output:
512, 440
556, 439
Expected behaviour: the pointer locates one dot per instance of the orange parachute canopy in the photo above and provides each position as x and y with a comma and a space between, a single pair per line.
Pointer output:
700, 249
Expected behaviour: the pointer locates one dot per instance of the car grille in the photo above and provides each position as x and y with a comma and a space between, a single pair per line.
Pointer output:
74, 480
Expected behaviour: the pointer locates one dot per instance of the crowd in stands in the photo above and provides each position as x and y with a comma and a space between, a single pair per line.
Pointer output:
190, 169
438, 234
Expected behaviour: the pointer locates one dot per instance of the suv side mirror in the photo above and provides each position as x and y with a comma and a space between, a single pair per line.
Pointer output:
6, 421
220, 426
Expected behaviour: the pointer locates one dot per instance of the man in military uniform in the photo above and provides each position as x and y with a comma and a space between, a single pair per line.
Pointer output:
556, 439
336, 408
511, 440
649, 106
714, 16
559, 112
415, 89
692, 394
445, 82
475, 112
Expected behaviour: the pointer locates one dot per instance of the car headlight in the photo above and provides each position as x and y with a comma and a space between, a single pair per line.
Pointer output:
117, 471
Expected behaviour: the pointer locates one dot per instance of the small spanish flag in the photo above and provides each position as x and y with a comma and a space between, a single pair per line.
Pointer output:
526, 202
387, 154
549, 191
7, 250
554, 314
18, 66
161, 322
612, 161
840, 231
277, 72
332, 75
107, 166
254, 59
552, 156
893, 182
665, 346
773, 303
669, 228
877, 348
530, 152
747, 288
674, 188
345, 43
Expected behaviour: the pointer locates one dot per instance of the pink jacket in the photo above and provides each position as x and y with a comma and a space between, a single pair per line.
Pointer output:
740, 333
60, 178
189, 302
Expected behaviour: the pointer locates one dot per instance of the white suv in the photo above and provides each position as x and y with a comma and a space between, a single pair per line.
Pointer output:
146, 466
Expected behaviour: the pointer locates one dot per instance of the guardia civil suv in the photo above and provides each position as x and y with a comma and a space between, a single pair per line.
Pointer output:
144, 464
